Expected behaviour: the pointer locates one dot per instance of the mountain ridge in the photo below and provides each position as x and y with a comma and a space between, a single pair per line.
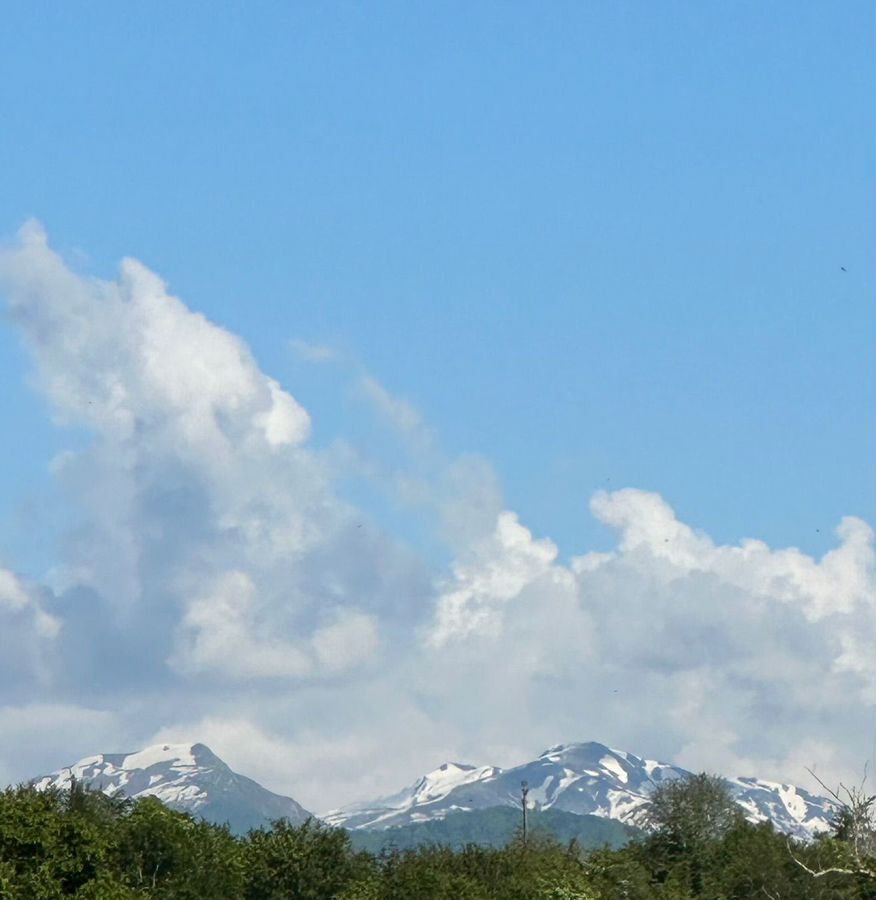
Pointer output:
584, 778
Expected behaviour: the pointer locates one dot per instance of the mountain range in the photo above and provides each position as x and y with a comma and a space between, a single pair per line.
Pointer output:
584, 779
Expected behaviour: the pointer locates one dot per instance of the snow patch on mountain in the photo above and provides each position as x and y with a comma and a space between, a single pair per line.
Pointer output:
187, 777
802, 813
582, 778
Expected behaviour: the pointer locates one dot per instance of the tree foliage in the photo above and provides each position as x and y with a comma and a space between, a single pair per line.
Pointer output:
689, 813
84, 845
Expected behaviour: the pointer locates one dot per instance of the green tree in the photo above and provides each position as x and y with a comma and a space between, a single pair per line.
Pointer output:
691, 812
175, 856
685, 819
306, 862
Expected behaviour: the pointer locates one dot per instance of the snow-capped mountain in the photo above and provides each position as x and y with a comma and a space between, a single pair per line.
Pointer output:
586, 779
187, 777
578, 778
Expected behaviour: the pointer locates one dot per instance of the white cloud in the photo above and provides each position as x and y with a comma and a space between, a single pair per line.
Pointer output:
839, 582
13, 594
317, 770
285, 422
27, 631
497, 570
221, 634
349, 640
218, 635
212, 567
714, 656
199, 458
42, 736
646, 521
397, 412
132, 362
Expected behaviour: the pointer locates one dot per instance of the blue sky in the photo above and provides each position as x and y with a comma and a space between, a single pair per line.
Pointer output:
598, 246
588, 242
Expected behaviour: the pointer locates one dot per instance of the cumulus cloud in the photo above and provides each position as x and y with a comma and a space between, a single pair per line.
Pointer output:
214, 585
128, 359
838, 583
497, 571
714, 656
219, 635
198, 466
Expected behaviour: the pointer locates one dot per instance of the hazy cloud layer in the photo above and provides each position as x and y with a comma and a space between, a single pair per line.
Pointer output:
216, 586
27, 633
313, 353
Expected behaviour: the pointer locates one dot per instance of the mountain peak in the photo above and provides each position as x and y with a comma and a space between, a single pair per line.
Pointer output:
176, 755
452, 767
446, 777
187, 777
577, 747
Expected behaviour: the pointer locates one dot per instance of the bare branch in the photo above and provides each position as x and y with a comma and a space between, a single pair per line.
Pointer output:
860, 869
829, 790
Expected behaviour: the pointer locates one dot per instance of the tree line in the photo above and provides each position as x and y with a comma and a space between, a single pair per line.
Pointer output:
694, 843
